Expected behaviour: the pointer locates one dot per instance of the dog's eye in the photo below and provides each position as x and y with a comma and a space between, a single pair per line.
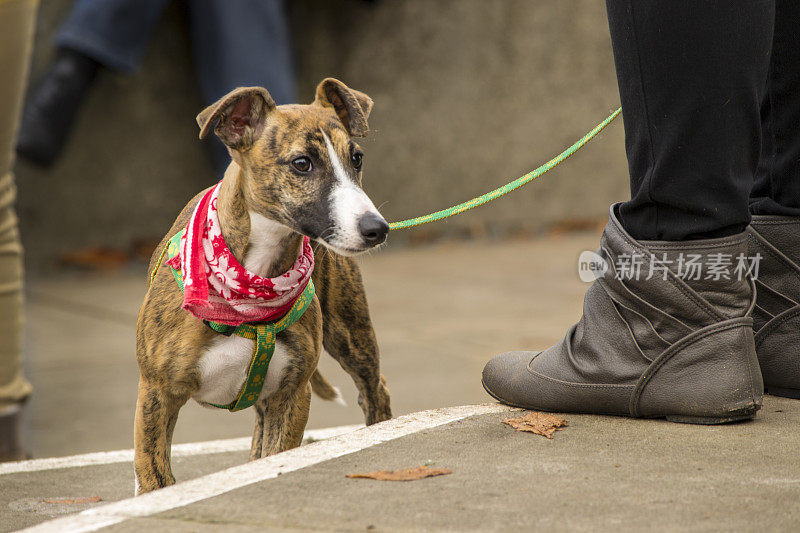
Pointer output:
303, 164
357, 159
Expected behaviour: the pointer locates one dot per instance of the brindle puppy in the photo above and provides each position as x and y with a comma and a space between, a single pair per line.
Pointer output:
295, 171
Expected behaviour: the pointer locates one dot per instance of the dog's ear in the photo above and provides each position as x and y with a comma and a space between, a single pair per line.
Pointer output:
239, 116
351, 106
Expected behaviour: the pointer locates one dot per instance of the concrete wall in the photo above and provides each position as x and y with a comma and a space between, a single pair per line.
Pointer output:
468, 95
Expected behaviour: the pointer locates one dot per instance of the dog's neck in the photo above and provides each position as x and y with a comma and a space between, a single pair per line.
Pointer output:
263, 246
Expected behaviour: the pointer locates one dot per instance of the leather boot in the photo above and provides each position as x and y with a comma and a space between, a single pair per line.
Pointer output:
50, 111
677, 345
776, 317
10, 443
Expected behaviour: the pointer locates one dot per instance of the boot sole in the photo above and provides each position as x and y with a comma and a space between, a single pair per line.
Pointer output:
740, 415
743, 414
785, 393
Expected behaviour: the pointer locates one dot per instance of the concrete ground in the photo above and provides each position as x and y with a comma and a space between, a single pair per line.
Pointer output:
599, 473
440, 311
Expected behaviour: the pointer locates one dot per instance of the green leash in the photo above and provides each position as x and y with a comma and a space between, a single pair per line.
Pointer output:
505, 189
263, 334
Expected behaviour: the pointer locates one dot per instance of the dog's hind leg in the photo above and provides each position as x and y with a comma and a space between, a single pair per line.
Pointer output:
347, 333
156, 414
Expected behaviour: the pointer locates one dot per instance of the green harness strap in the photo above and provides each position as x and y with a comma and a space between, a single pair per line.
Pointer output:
261, 333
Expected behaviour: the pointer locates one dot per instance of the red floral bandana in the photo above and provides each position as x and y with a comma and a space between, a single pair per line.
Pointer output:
218, 288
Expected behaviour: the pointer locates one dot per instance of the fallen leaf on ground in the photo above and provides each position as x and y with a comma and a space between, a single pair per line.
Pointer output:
143, 249
73, 501
407, 474
543, 424
95, 258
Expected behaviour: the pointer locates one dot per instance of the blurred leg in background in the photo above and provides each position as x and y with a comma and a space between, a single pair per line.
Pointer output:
657, 339
17, 19
234, 43
108, 33
241, 43
114, 33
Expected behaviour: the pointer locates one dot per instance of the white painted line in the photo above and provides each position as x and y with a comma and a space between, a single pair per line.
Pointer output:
271, 467
178, 450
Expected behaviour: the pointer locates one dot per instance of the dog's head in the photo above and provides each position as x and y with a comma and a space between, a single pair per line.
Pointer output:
300, 164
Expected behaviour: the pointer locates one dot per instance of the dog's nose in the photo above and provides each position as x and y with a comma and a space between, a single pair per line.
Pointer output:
373, 229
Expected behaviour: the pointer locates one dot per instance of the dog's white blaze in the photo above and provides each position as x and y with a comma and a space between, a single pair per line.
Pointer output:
223, 369
348, 203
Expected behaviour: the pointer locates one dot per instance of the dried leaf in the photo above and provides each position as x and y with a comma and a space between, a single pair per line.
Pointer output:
543, 424
95, 258
407, 474
143, 249
579, 224
73, 501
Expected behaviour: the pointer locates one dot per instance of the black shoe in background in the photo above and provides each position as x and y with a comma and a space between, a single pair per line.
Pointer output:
10, 445
51, 108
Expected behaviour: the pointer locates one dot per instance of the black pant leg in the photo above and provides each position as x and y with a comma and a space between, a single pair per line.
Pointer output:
777, 185
691, 79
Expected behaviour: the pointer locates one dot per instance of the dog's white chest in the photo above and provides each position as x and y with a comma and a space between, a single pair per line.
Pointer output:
224, 366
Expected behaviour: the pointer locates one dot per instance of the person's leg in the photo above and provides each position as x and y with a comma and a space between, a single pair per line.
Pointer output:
114, 33
17, 18
777, 185
775, 204
691, 79
241, 43
666, 330
96, 33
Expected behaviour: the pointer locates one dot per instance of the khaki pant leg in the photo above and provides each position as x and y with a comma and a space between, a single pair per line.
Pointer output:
17, 19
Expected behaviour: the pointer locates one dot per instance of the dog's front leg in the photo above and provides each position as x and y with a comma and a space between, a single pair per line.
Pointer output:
260, 409
353, 344
282, 409
282, 418
156, 414
348, 335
